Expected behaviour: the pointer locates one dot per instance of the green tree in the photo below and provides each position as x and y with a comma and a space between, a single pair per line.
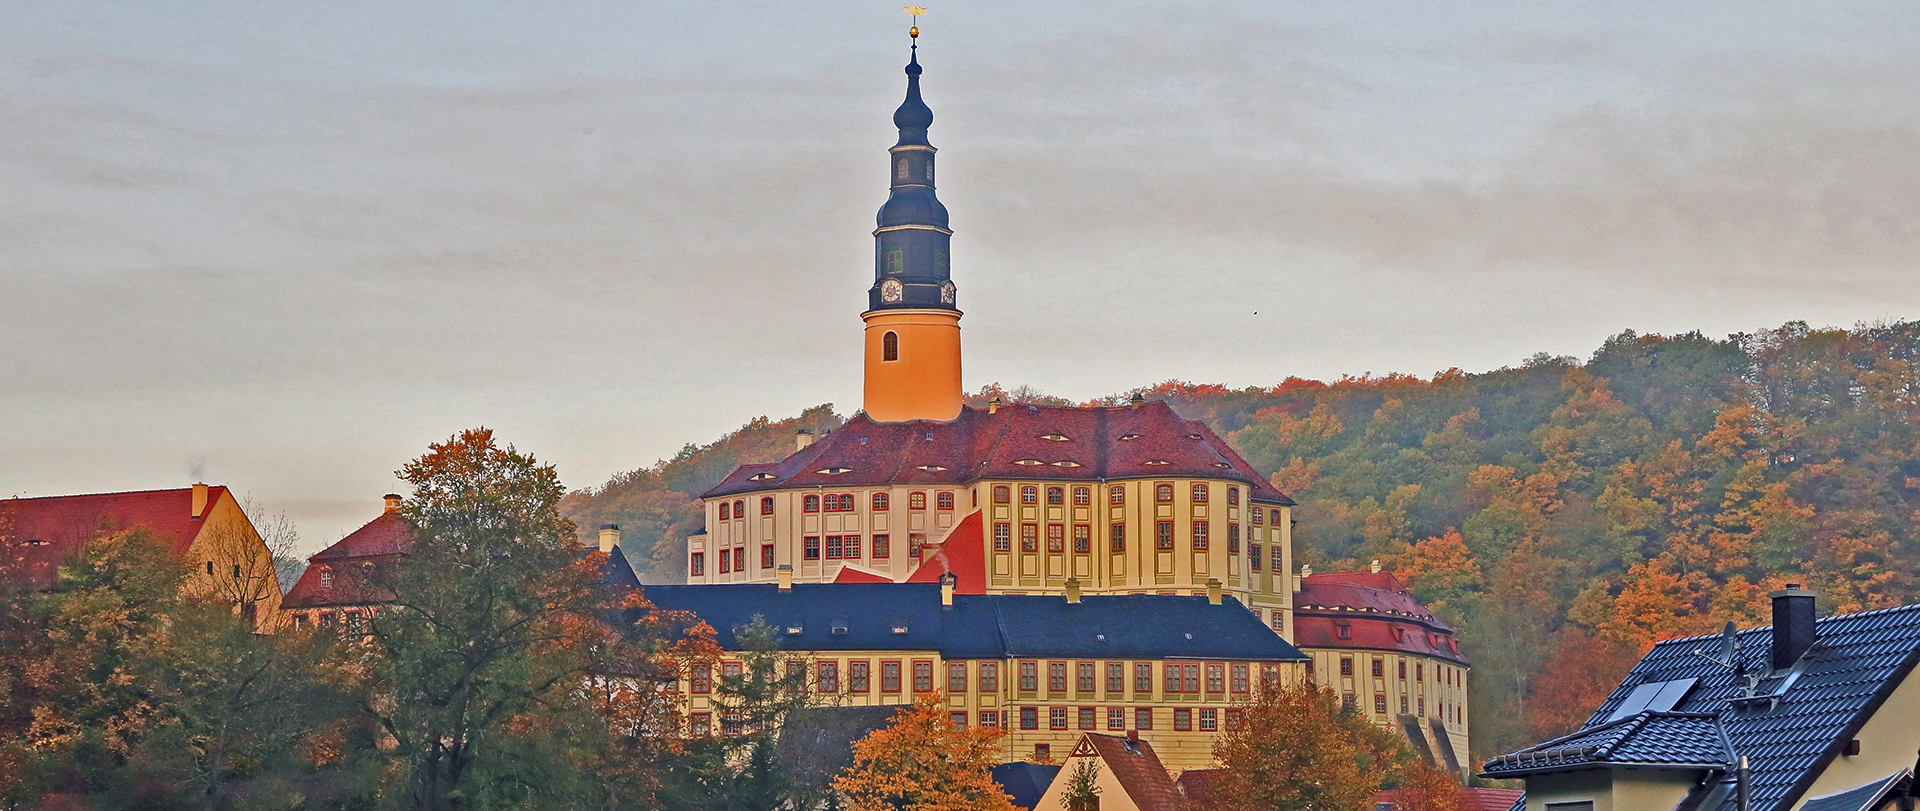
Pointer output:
1298, 748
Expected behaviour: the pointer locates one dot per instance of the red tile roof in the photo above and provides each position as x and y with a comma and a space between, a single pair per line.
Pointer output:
1377, 612
963, 552
1137, 769
1055, 443
62, 526
344, 570
849, 574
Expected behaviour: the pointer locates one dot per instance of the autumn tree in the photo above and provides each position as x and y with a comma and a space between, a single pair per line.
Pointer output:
1298, 747
1422, 786
924, 762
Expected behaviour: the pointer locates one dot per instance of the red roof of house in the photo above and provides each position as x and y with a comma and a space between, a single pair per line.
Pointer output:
338, 574
1058, 443
42, 533
848, 574
1136, 768
963, 552
1375, 610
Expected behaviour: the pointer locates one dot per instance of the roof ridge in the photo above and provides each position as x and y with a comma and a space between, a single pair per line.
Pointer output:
1769, 626
210, 488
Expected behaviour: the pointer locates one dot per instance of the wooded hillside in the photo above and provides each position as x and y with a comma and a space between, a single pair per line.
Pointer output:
1562, 515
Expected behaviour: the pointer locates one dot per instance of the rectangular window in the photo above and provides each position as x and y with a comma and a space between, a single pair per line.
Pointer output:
1089, 718
1083, 496
697, 564
1056, 538
1253, 556
916, 501
857, 677
1403, 670
1029, 677
923, 676
1163, 535
959, 719
1116, 677
1273, 517
766, 505
1233, 496
1057, 718
1083, 677
1216, 678
766, 556
1029, 495
1209, 720
1240, 680
944, 501
1056, 495
1182, 720
1117, 538
726, 562
810, 504
956, 677
1423, 708
989, 677
1380, 704
1029, 717
1143, 678
826, 677
889, 677
1347, 700
700, 724
1116, 495
1042, 752
1143, 718
1171, 683
1346, 665
1000, 492
701, 679
1233, 539
1257, 514
1029, 537
740, 559
1082, 539
1190, 678
1199, 494
1002, 537
833, 547
1199, 536
882, 547
853, 547
1163, 493
989, 719
1379, 668
880, 502
1056, 677
1116, 718
810, 547
1420, 672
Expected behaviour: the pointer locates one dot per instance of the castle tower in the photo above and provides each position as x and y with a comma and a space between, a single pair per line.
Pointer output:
913, 327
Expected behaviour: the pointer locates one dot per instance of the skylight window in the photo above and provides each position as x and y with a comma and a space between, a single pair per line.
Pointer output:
1195, 436
1066, 463
931, 468
1654, 696
1155, 462
1029, 462
835, 471
1125, 437
760, 477
1054, 437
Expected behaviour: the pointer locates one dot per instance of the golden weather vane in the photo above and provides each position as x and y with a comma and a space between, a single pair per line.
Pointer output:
915, 11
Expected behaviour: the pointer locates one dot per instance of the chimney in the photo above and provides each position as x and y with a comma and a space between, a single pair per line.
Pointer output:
1793, 631
393, 503
1213, 591
947, 582
993, 405
785, 574
801, 439
1073, 590
1136, 400
1306, 571
199, 500
1376, 566
609, 537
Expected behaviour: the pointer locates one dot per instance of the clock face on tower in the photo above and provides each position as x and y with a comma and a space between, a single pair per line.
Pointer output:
891, 292
946, 293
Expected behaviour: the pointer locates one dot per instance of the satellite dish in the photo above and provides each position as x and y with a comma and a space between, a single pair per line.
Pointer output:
1729, 646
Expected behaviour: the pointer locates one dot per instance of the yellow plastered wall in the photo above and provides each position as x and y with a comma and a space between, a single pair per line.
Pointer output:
1612, 790
227, 539
924, 383
1887, 743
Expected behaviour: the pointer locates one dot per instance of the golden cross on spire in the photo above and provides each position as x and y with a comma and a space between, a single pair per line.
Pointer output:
915, 11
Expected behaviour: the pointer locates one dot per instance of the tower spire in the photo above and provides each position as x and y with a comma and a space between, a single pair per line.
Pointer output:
913, 325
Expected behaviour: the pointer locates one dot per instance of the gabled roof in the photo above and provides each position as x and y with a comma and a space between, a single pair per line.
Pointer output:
339, 574
1855, 663
1025, 783
909, 617
963, 552
1135, 766
1669, 739
1861, 798
1377, 612
1063, 443
64, 524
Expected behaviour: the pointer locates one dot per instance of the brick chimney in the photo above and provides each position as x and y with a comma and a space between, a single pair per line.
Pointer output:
785, 576
1375, 566
1213, 591
199, 500
1073, 590
393, 503
801, 439
1793, 629
993, 406
609, 537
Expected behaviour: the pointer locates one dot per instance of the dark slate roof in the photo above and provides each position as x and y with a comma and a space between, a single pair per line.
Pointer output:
1025, 782
1681, 740
1860, 798
1857, 660
865, 616
1094, 443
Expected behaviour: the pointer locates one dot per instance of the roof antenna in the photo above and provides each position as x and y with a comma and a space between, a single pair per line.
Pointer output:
1729, 649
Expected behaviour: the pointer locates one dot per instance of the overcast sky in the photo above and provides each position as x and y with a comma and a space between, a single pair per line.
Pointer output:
283, 246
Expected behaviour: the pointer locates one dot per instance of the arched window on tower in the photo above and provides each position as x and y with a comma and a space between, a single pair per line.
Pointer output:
890, 346
902, 172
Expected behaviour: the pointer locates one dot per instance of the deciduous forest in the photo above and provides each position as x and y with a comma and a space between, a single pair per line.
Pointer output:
1561, 515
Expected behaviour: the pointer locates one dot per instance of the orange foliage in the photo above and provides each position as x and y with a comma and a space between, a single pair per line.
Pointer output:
923, 761
1579, 674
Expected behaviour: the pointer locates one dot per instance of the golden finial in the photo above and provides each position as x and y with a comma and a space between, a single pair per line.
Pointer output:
915, 11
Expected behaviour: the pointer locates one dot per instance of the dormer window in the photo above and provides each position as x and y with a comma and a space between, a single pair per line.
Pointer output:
36, 542
1066, 463
760, 477
1029, 462
1054, 437
899, 625
834, 471
326, 578
1155, 462
1126, 437
932, 468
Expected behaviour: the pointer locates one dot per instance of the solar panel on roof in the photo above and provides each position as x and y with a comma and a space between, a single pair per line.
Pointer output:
1654, 696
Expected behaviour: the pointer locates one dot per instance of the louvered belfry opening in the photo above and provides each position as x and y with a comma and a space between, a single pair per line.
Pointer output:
1793, 627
